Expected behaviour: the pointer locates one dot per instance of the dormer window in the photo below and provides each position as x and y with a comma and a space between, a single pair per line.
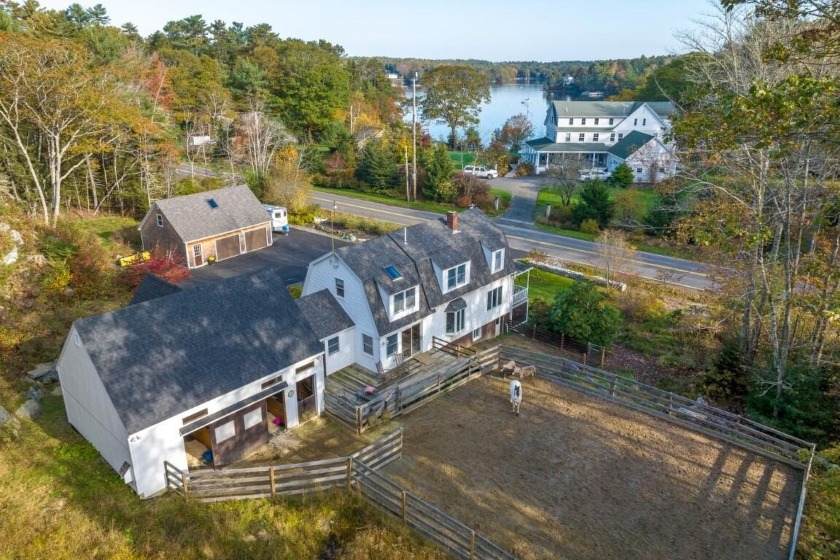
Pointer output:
405, 302
456, 276
498, 260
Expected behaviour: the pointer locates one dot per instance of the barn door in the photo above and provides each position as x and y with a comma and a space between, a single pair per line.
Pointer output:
227, 247
256, 239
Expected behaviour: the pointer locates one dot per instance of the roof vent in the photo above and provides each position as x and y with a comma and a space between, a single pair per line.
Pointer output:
212, 203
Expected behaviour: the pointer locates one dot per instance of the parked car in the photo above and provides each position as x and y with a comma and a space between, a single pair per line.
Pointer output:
481, 171
594, 173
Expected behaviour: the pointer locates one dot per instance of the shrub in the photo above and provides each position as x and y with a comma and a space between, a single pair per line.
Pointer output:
56, 281
589, 225
594, 203
168, 266
524, 169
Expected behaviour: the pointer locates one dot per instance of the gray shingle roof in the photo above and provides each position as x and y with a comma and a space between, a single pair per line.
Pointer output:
159, 358
429, 244
152, 287
324, 314
629, 144
193, 218
608, 109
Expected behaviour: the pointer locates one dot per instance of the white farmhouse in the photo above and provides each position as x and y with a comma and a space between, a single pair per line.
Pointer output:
604, 134
453, 281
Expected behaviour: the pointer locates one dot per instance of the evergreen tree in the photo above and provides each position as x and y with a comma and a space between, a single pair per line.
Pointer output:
594, 204
377, 167
622, 175
583, 313
439, 174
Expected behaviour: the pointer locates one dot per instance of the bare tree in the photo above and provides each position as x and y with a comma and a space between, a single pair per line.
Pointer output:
262, 137
567, 176
615, 252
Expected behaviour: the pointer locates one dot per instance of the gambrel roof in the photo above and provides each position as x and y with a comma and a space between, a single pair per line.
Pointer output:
159, 358
210, 213
416, 252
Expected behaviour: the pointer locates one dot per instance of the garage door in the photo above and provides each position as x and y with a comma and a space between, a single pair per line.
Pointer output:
227, 247
256, 239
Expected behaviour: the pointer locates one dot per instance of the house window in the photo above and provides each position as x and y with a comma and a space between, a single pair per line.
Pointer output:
583, 121
455, 321
595, 137
456, 277
367, 344
405, 301
638, 170
571, 121
596, 121
477, 334
620, 135
494, 298
581, 137
612, 137
225, 431
391, 345
159, 220
332, 346
610, 122
644, 122
498, 260
635, 122
271, 382
253, 418
339, 287
568, 137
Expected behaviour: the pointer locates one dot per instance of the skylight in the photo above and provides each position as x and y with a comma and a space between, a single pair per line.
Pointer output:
393, 272
212, 202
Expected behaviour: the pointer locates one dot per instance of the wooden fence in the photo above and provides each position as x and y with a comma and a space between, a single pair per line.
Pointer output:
589, 352
411, 393
683, 411
357, 471
448, 533
266, 482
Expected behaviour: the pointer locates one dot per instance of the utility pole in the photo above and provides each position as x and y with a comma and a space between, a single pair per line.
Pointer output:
414, 135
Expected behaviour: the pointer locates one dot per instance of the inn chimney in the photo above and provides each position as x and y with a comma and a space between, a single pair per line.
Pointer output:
452, 221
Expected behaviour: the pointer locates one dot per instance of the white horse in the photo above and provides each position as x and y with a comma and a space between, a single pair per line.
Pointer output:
515, 395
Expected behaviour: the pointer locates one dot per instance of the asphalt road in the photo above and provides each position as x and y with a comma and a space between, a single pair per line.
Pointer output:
291, 253
523, 236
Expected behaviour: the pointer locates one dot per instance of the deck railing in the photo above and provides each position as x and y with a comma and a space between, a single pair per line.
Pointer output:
410, 394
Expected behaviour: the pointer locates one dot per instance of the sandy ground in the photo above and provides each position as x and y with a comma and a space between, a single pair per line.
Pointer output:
577, 477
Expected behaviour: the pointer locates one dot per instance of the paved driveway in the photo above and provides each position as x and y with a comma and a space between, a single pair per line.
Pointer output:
291, 253
523, 203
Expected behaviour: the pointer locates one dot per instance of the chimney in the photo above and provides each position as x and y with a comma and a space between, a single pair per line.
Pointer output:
452, 220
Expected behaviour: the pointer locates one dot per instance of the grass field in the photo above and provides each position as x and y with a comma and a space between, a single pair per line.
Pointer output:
545, 285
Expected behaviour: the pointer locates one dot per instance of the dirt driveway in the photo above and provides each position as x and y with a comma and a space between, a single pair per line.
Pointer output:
576, 477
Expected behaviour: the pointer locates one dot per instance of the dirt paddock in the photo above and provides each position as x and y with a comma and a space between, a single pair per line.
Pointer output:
577, 477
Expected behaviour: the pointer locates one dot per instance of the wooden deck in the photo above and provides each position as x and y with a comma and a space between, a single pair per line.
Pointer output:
349, 381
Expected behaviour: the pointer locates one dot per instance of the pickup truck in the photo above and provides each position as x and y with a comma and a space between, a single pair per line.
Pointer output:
481, 171
594, 173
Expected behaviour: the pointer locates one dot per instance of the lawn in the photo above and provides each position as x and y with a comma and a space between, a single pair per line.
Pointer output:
646, 197
545, 285
427, 206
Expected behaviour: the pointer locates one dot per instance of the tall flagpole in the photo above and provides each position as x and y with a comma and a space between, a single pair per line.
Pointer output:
414, 135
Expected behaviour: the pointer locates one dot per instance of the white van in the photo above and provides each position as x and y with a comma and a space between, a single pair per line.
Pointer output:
279, 218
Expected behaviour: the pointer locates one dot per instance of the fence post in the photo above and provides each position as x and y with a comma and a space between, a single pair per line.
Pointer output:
349, 472
670, 404
472, 544
271, 481
358, 421
405, 506
612, 387
562, 340
603, 356
184, 483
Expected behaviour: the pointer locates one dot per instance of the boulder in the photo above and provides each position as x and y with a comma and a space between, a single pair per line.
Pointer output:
29, 410
45, 373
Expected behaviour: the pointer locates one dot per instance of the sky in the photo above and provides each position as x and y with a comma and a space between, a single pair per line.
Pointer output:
495, 30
